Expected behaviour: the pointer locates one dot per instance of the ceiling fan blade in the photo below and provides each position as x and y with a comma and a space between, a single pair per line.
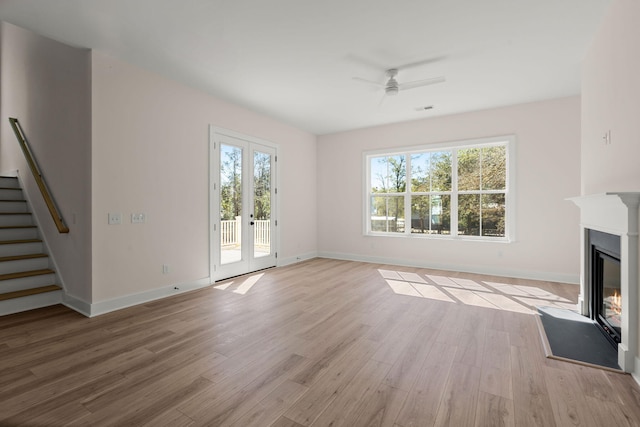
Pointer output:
365, 61
421, 62
376, 84
419, 83
384, 97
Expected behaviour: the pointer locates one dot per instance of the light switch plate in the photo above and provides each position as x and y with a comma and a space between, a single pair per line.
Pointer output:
115, 218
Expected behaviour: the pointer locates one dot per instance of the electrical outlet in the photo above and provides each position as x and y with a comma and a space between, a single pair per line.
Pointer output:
138, 218
115, 218
165, 268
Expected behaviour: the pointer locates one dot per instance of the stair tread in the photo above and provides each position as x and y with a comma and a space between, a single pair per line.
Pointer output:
21, 274
11, 242
27, 292
19, 257
17, 198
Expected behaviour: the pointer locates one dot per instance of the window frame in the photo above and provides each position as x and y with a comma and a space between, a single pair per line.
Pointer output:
509, 141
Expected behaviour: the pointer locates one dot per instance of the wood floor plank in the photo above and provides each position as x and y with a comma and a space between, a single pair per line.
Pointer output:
333, 380
360, 389
568, 401
458, 405
595, 383
285, 422
404, 372
421, 406
38, 392
171, 418
34, 407
271, 408
530, 396
225, 409
151, 398
495, 411
333, 350
496, 381
379, 410
320, 342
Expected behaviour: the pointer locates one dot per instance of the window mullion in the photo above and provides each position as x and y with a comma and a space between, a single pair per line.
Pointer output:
407, 197
481, 188
454, 193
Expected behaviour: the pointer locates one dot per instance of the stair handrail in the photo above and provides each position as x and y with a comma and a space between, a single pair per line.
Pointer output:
35, 170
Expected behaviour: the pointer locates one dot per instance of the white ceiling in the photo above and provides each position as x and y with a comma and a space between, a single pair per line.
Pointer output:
295, 60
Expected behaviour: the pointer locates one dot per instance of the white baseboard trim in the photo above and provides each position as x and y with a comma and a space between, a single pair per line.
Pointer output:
636, 371
107, 306
298, 258
77, 304
492, 271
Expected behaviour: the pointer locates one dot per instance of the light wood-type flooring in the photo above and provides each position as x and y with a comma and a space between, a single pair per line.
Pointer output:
319, 343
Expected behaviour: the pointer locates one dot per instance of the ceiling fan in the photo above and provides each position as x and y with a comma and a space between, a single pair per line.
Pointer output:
392, 87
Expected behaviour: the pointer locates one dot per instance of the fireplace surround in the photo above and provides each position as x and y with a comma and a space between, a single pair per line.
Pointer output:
614, 213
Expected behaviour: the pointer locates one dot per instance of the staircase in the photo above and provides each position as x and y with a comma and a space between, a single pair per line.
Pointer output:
26, 279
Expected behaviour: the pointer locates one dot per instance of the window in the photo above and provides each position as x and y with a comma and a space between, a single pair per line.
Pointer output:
459, 190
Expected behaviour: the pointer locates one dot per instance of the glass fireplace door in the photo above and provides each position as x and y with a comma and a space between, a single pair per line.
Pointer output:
608, 296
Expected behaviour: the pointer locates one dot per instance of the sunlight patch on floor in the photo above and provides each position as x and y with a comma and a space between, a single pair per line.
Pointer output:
241, 287
498, 296
248, 284
223, 286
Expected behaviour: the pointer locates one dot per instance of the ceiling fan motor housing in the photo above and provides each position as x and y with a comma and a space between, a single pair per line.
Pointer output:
392, 87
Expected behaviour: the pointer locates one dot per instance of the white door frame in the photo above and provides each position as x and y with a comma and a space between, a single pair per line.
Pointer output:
215, 134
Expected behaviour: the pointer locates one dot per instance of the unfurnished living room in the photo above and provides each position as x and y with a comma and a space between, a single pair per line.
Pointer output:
331, 213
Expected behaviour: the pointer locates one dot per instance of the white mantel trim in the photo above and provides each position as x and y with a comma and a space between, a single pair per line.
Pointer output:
615, 213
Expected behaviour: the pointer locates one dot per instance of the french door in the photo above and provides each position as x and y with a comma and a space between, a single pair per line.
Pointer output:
243, 204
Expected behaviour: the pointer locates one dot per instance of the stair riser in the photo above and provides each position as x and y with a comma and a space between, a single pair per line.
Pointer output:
9, 194
23, 283
20, 249
6, 182
18, 233
31, 302
17, 219
16, 266
13, 206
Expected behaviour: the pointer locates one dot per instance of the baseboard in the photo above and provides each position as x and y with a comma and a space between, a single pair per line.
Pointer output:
298, 258
77, 304
107, 306
636, 371
491, 271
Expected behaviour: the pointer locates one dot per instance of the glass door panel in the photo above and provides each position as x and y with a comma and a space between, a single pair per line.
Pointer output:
243, 205
263, 207
231, 196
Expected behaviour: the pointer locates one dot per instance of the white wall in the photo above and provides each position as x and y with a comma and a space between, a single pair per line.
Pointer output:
150, 154
611, 102
548, 161
45, 84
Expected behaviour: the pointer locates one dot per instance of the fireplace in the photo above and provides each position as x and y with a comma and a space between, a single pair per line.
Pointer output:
605, 284
614, 215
